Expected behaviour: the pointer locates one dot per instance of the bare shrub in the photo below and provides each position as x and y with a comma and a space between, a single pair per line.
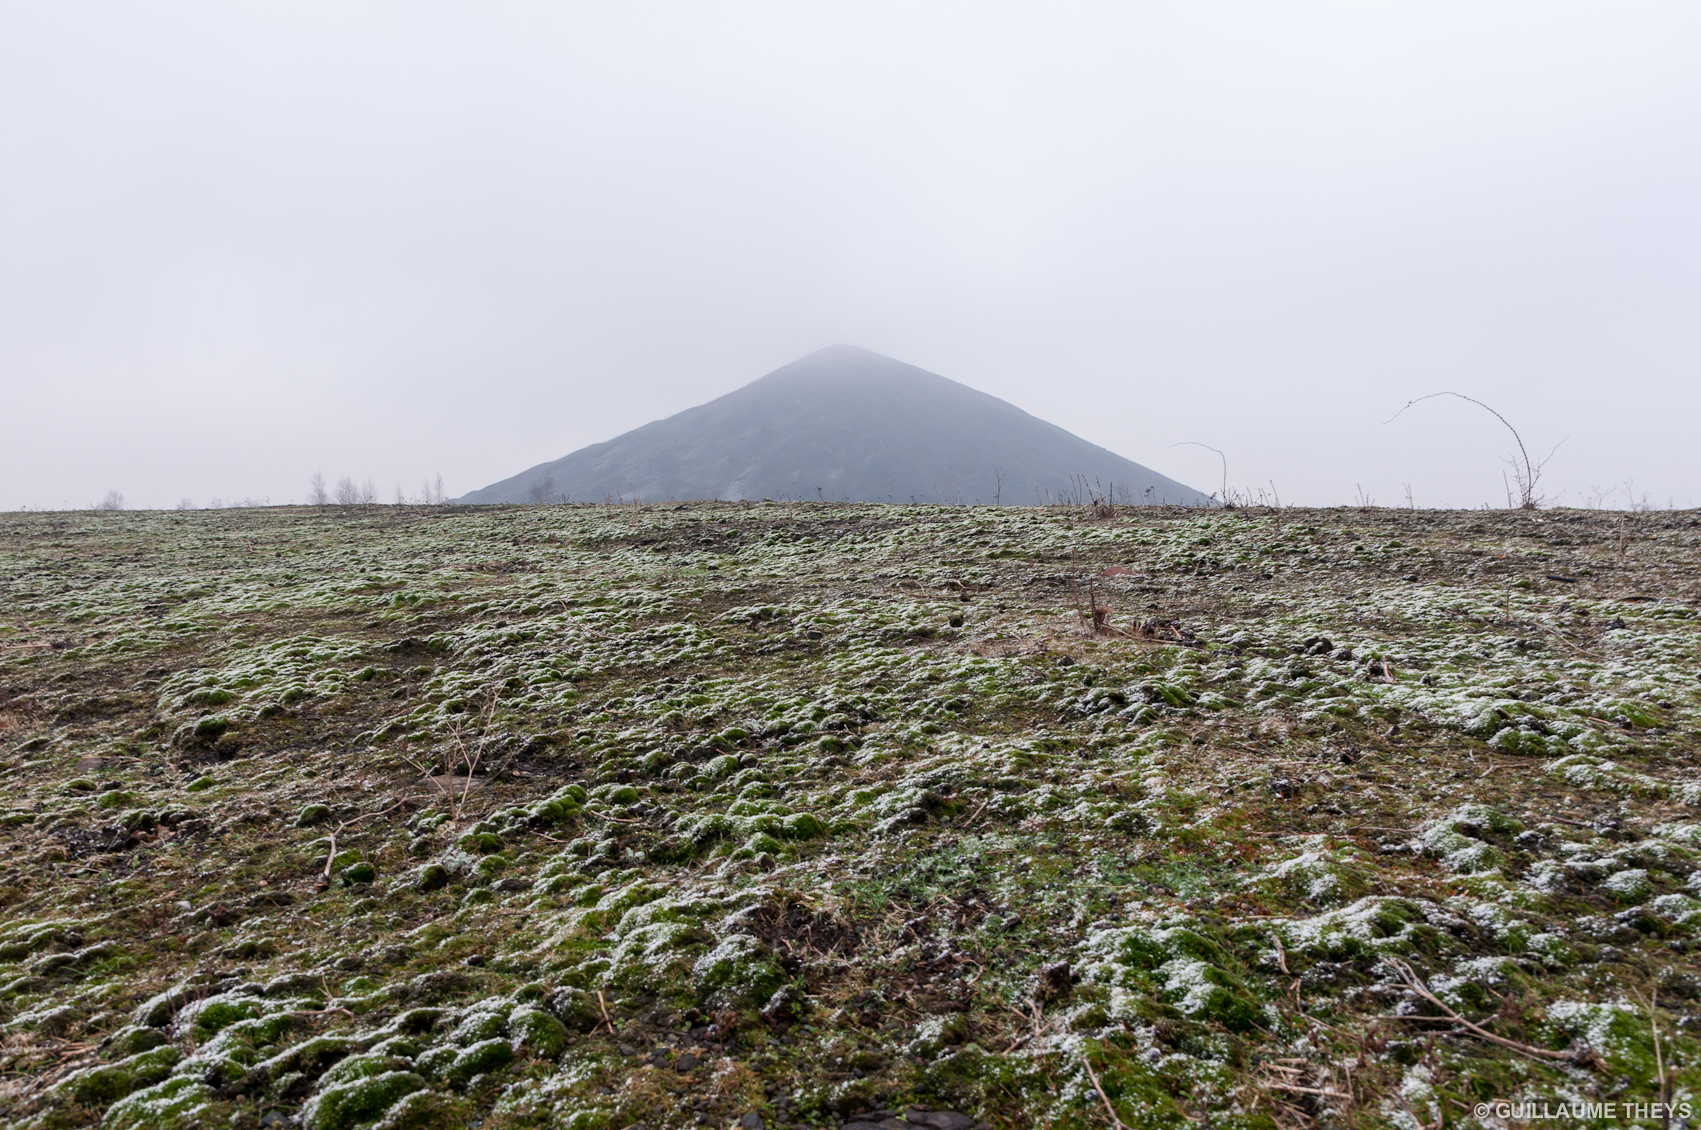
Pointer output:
1524, 472
113, 501
1096, 498
1095, 617
317, 495
1598, 498
186, 504
462, 756
542, 490
346, 493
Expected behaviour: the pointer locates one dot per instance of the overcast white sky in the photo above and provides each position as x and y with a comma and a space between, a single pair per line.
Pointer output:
241, 242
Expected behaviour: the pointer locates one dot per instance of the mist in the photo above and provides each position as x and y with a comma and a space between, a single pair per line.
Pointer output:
243, 244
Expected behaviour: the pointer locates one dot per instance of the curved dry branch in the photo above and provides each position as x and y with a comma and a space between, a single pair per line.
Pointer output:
1582, 1056
1195, 443
1527, 482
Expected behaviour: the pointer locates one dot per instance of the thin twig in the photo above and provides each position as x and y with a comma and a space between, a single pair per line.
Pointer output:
1110, 1110
1220, 455
1417, 986
331, 855
1280, 1086
606, 1019
594, 815
1566, 638
1659, 1058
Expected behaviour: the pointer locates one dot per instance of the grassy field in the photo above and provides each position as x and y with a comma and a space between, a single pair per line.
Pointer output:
820, 814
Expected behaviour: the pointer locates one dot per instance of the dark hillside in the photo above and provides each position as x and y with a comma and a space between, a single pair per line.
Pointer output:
843, 424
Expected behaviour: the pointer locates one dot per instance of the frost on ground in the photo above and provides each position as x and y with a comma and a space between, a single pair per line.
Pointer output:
807, 815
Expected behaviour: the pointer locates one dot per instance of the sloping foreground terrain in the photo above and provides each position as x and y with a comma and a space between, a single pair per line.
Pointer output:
806, 815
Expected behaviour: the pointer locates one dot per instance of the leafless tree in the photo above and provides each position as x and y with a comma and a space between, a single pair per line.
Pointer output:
998, 486
542, 490
368, 493
316, 493
346, 493
186, 504
112, 501
431, 493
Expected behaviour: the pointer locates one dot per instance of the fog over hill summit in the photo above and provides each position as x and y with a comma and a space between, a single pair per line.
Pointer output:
842, 424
